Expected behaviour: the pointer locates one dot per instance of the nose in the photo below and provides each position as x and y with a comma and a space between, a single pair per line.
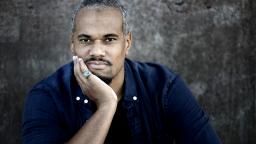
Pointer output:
97, 50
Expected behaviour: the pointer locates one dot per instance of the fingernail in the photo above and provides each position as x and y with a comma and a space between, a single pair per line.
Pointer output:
74, 58
80, 59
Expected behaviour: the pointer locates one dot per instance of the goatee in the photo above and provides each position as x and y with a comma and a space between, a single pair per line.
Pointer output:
107, 80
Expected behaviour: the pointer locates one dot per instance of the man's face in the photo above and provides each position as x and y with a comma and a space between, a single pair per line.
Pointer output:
99, 39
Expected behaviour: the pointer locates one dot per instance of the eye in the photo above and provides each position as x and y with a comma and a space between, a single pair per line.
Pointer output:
110, 39
84, 40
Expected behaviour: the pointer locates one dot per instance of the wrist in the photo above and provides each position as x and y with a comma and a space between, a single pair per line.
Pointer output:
111, 105
110, 102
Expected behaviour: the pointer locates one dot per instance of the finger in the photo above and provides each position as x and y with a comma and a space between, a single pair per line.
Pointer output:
83, 67
78, 75
77, 70
92, 78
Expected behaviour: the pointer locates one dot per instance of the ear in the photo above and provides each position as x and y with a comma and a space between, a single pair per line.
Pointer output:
128, 43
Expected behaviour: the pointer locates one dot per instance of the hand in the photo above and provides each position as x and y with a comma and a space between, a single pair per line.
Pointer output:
97, 90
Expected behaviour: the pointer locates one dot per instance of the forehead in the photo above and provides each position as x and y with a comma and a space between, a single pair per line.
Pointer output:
93, 20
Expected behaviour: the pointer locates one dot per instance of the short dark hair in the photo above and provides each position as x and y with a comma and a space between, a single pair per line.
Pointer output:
103, 3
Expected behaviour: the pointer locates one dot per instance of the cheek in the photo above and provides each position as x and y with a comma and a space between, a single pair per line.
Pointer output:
80, 51
118, 54
118, 60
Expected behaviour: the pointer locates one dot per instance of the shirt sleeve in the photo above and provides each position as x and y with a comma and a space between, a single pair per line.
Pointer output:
41, 122
187, 120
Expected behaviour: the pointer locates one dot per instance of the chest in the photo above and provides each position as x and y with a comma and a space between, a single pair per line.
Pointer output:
137, 121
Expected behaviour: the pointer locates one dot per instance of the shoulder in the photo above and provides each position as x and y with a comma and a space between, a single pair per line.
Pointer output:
47, 107
153, 76
60, 79
52, 91
150, 71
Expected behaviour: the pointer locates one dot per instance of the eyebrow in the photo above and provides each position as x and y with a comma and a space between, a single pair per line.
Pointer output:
83, 36
111, 35
88, 36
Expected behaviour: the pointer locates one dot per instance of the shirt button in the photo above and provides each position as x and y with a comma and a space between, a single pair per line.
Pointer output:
134, 98
86, 101
77, 98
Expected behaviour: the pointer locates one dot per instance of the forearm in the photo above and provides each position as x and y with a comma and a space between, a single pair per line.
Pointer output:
94, 131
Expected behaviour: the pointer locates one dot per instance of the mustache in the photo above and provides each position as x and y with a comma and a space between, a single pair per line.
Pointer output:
98, 59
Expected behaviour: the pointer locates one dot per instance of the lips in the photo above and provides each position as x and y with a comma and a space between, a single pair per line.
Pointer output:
97, 65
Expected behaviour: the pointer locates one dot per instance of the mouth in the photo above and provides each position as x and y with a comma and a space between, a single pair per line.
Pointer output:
97, 65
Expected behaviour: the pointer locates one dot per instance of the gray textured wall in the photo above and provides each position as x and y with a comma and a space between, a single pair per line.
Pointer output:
210, 43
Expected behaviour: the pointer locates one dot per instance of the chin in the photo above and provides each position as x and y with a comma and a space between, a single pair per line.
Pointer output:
107, 80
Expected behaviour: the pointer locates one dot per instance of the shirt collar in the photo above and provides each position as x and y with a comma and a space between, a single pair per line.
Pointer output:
130, 88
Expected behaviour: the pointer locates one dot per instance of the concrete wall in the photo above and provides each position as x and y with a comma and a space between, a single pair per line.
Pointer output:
210, 43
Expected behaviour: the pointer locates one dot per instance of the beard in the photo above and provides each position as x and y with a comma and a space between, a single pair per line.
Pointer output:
105, 79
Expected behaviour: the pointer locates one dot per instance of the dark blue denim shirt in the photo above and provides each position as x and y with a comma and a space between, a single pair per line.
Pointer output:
160, 108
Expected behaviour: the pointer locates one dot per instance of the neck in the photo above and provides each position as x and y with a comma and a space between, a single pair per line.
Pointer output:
117, 84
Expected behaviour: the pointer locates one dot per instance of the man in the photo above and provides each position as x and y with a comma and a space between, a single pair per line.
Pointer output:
102, 97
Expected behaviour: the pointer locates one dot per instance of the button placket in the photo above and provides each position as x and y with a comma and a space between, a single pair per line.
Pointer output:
86, 101
78, 98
